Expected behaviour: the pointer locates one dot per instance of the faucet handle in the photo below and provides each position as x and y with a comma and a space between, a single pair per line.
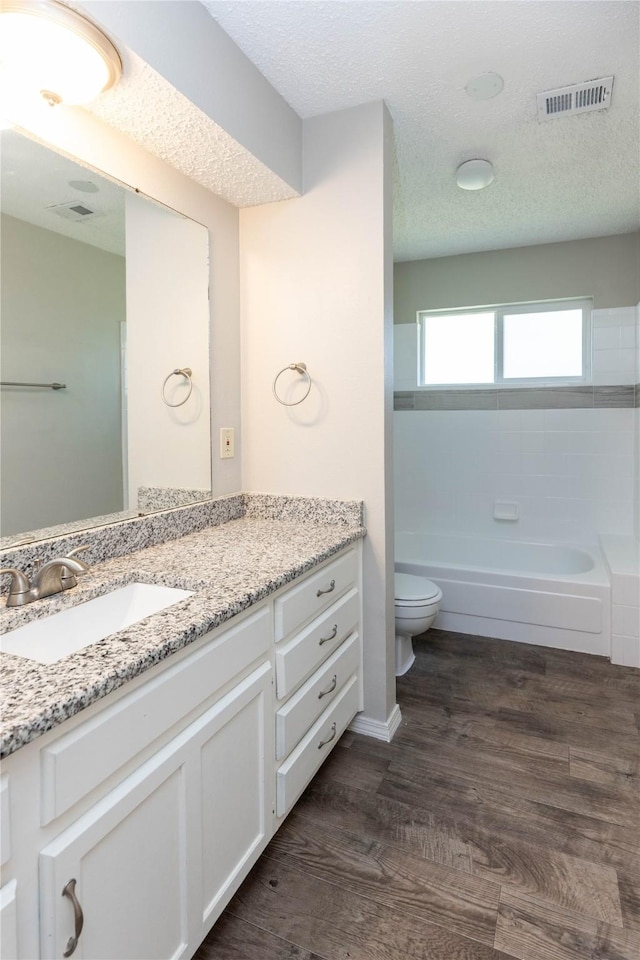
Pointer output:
69, 578
77, 550
19, 583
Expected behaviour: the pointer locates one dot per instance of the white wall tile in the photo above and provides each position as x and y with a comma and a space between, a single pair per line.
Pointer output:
534, 442
609, 419
612, 378
625, 589
606, 338
625, 620
628, 336
625, 651
610, 361
583, 441
531, 419
571, 472
513, 419
626, 316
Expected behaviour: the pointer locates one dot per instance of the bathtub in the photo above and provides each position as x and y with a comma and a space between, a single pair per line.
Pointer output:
546, 594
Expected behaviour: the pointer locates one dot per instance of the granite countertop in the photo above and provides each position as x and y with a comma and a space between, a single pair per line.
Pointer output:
230, 567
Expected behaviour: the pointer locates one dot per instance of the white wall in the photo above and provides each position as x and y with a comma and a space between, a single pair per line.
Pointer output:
81, 136
604, 268
315, 286
167, 328
62, 305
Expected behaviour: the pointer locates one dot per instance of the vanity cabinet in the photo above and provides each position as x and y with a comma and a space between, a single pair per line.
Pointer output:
138, 819
154, 858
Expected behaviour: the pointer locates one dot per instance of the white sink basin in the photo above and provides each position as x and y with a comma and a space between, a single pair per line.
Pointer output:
55, 637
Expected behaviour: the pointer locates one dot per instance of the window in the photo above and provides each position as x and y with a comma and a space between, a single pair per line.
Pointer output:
511, 344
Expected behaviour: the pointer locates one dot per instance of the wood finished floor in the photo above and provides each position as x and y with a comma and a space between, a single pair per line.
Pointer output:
502, 821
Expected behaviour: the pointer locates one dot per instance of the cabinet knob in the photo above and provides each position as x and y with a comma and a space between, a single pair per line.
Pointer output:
69, 891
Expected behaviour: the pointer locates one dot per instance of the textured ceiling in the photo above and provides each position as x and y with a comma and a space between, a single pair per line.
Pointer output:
563, 179
152, 112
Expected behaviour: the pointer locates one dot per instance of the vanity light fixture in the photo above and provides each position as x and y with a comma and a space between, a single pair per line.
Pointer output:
475, 174
48, 50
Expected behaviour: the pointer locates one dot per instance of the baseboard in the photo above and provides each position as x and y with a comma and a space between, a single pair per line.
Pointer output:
377, 728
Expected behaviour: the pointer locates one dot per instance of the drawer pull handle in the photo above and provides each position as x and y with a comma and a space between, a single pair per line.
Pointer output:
325, 693
326, 639
329, 589
70, 892
323, 743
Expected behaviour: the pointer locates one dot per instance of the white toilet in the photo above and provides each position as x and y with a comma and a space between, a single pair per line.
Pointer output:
417, 602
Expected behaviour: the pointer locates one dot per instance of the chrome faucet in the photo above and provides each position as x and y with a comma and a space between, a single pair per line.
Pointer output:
52, 577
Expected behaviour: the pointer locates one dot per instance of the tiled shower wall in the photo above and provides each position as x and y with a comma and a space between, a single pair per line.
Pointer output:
572, 472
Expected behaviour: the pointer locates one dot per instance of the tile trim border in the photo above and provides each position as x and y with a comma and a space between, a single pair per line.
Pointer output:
520, 398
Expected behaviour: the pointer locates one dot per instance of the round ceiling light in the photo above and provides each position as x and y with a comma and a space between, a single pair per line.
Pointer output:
475, 174
48, 50
486, 86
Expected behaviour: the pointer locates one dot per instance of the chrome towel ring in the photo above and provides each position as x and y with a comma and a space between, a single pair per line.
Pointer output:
300, 368
185, 372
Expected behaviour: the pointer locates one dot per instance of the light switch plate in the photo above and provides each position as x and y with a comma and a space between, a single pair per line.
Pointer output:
227, 443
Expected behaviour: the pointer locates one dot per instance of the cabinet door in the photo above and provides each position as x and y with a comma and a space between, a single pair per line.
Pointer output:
236, 790
158, 858
8, 922
128, 856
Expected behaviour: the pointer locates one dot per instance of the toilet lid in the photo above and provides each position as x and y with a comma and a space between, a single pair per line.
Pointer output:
408, 587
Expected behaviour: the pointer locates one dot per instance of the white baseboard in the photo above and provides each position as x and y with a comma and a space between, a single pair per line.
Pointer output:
377, 729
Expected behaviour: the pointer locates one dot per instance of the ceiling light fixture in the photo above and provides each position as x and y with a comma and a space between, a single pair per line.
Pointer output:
475, 174
48, 50
485, 87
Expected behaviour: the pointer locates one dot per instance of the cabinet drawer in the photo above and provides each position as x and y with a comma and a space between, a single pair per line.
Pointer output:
296, 716
313, 595
301, 655
76, 763
295, 773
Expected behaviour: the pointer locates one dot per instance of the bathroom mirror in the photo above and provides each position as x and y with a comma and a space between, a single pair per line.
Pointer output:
104, 295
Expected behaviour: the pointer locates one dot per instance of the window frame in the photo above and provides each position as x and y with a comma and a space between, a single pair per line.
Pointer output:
585, 304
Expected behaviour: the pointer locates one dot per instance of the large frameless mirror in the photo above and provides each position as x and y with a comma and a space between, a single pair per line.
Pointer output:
104, 295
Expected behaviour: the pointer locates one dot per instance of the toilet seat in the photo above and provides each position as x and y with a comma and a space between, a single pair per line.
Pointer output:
412, 591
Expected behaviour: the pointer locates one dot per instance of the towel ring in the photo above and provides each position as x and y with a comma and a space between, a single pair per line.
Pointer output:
300, 368
185, 372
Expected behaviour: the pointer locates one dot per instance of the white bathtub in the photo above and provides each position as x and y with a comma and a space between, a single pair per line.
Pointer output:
552, 595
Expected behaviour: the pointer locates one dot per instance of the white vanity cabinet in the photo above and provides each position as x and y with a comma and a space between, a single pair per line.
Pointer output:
154, 858
127, 829
156, 800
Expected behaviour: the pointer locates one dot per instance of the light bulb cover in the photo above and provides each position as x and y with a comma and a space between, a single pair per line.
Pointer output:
475, 174
48, 50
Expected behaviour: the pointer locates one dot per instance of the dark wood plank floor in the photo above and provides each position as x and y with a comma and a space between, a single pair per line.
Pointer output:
502, 821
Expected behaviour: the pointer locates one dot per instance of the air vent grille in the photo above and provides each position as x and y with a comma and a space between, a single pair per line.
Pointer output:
578, 98
74, 210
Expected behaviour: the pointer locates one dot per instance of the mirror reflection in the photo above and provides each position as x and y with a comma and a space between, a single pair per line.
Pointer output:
104, 293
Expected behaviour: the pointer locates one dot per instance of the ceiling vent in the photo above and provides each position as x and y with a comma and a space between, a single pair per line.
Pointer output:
74, 210
578, 98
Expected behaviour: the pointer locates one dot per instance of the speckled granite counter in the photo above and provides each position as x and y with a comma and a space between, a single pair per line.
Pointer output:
230, 567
